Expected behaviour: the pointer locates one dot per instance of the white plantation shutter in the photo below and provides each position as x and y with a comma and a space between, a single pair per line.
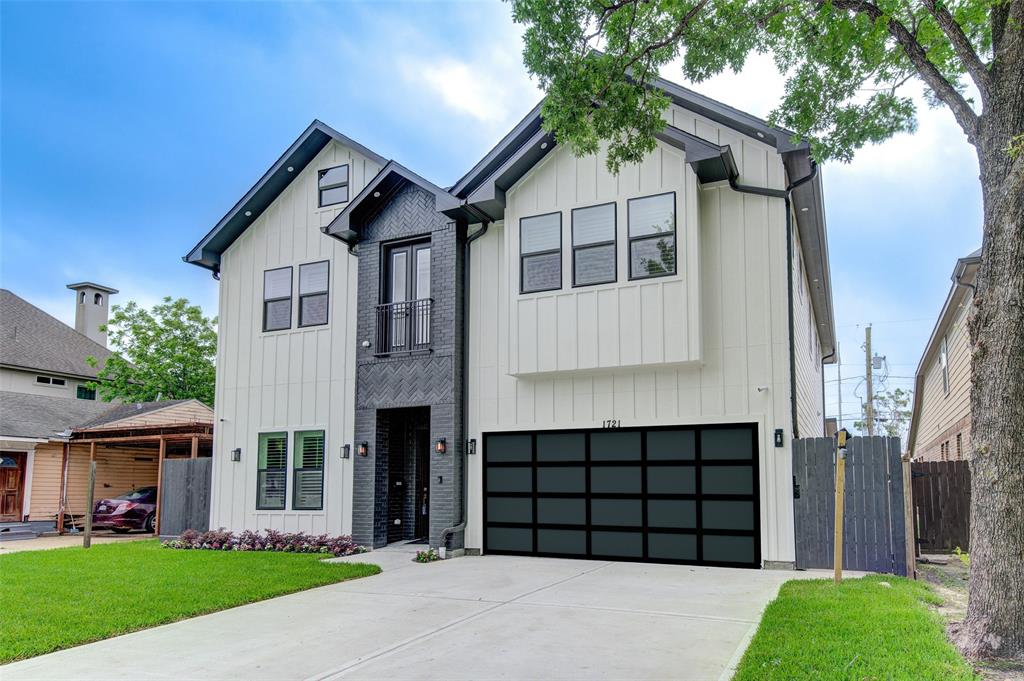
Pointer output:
272, 473
309, 470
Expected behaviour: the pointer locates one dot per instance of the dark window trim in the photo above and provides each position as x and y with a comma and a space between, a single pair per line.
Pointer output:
523, 256
51, 380
326, 292
296, 471
675, 238
291, 286
284, 497
614, 242
320, 190
89, 392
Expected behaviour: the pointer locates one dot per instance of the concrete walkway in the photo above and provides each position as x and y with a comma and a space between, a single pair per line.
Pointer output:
493, 617
65, 541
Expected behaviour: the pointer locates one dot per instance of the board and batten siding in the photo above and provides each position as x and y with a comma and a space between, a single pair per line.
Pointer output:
297, 379
739, 301
807, 352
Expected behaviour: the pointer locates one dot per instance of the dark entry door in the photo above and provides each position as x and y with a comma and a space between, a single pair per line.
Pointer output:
422, 483
668, 494
12, 476
407, 296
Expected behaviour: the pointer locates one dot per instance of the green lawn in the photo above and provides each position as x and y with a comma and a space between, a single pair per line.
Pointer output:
63, 597
860, 630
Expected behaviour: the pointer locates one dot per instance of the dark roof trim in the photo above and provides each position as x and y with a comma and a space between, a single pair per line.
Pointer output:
485, 167
303, 150
377, 193
89, 284
957, 292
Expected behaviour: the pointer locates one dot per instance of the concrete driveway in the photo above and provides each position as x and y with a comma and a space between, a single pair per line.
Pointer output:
492, 617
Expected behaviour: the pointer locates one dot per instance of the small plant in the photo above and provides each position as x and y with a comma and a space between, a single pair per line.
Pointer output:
428, 556
964, 557
272, 540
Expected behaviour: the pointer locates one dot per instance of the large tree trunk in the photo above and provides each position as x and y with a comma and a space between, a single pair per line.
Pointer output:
994, 625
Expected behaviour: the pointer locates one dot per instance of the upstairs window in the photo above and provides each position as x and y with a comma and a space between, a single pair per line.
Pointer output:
308, 494
50, 380
593, 245
84, 393
540, 253
652, 236
313, 297
944, 363
272, 471
332, 186
277, 299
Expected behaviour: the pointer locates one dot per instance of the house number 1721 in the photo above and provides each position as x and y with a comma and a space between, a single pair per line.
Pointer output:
611, 423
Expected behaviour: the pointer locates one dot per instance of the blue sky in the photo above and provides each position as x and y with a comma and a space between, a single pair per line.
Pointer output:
129, 129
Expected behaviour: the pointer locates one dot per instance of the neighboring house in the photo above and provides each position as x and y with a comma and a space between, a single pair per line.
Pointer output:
542, 359
940, 424
44, 400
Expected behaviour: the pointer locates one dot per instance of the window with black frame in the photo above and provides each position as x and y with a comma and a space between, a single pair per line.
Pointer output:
313, 297
540, 253
308, 464
652, 236
272, 471
277, 299
332, 186
593, 245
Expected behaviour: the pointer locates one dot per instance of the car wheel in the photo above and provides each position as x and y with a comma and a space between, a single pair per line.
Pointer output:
150, 521
120, 530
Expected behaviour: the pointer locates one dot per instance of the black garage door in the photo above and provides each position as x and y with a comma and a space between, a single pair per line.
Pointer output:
667, 495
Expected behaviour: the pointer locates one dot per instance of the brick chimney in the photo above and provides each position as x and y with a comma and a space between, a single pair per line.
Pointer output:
92, 308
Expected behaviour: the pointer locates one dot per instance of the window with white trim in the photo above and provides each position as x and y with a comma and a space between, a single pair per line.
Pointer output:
652, 236
277, 299
540, 253
313, 298
308, 469
272, 471
593, 245
944, 363
332, 186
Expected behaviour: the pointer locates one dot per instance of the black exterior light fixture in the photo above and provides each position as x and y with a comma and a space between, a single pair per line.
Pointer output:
472, 447
346, 450
441, 446
236, 454
364, 448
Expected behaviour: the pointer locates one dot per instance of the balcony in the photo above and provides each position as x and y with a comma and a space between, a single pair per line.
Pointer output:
404, 327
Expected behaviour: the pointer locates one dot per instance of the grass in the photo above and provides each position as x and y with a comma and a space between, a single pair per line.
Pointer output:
861, 630
64, 597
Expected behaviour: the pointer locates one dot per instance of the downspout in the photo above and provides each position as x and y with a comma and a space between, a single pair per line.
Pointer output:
449, 531
784, 194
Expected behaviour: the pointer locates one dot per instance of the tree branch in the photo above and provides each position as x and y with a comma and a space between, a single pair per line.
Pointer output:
931, 75
962, 46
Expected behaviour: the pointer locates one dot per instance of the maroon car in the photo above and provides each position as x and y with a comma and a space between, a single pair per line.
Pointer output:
131, 511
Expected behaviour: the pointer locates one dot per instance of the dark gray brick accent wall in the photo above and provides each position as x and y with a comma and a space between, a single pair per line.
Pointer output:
431, 379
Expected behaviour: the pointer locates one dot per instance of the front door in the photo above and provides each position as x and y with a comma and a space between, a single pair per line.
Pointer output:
12, 478
407, 297
422, 483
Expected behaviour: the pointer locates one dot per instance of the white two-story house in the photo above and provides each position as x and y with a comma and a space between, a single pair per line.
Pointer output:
543, 359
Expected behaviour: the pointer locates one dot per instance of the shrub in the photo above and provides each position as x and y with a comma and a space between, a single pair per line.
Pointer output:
272, 540
428, 556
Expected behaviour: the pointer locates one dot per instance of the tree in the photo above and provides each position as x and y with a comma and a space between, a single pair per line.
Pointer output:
892, 411
847, 65
165, 354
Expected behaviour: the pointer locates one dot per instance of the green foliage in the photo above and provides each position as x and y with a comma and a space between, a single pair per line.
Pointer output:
64, 597
845, 63
892, 412
876, 627
428, 556
167, 353
964, 557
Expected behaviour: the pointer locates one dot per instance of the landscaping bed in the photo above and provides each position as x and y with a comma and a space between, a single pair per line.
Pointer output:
875, 627
64, 597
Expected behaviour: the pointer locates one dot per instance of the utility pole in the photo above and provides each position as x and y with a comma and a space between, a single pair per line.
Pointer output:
839, 368
869, 410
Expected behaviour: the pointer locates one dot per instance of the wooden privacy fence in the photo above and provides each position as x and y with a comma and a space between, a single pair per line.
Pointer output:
874, 530
185, 503
942, 504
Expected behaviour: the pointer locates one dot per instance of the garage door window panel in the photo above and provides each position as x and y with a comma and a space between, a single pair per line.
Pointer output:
561, 511
617, 544
561, 447
564, 542
615, 480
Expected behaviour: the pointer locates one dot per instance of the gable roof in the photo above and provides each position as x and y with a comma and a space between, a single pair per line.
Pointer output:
44, 416
32, 339
964, 272
311, 142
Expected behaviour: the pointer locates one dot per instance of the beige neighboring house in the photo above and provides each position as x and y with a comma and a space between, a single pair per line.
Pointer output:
45, 404
940, 426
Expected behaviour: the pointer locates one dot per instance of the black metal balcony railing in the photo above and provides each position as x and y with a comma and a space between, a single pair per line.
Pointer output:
404, 326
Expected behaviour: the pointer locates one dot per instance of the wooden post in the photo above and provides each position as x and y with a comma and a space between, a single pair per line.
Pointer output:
195, 446
159, 484
840, 494
908, 520
63, 493
87, 539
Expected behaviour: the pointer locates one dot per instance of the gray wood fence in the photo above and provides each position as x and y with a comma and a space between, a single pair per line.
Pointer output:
874, 534
942, 504
185, 499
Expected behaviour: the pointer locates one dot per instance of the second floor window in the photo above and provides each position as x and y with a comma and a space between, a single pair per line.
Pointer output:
652, 236
277, 299
85, 393
313, 296
332, 186
540, 253
593, 245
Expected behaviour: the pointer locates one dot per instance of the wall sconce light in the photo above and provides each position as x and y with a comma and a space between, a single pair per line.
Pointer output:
346, 451
441, 446
236, 454
364, 448
471, 449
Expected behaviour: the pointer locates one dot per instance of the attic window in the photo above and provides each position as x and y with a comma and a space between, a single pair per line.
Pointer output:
97, 299
50, 380
332, 185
